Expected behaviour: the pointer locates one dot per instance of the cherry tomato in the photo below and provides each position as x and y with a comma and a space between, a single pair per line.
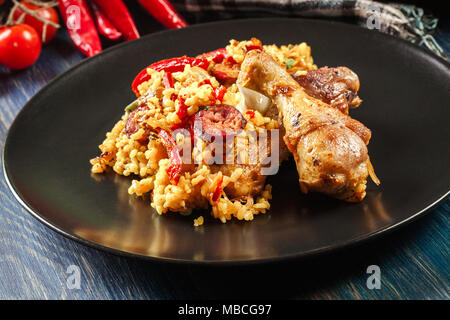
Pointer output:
20, 46
49, 14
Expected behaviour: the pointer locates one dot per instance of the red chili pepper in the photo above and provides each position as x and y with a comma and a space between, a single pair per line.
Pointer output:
219, 93
80, 26
117, 12
104, 25
168, 65
218, 191
168, 80
174, 169
164, 12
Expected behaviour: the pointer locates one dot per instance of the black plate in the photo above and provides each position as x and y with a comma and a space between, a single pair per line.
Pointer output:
406, 92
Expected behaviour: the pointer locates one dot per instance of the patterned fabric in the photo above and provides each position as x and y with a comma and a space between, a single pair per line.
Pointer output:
404, 21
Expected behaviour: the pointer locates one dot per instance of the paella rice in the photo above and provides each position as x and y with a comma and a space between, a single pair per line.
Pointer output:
134, 147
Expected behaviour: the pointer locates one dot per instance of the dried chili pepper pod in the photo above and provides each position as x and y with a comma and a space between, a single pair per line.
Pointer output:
118, 14
80, 26
104, 25
164, 12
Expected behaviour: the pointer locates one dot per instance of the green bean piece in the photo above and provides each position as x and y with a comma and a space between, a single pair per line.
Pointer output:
131, 107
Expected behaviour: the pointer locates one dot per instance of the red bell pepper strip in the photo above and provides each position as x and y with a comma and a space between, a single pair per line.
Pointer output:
217, 55
80, 26
104, 25
175, 165
256, 45
253, 47
166, 139
230, 60
219, 93
182, 111
164, 12
187, 124
168, 80
118, 14
218, 191
168, 65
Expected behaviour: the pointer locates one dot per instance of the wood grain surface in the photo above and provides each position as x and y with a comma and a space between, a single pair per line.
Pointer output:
33, 259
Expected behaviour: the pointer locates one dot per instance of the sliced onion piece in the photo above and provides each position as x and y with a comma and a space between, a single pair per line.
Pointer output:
254, 100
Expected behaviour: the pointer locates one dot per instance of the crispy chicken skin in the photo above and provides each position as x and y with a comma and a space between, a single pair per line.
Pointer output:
337, 87
328, 146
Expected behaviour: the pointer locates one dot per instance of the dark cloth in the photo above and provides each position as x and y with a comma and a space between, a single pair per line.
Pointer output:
405, 21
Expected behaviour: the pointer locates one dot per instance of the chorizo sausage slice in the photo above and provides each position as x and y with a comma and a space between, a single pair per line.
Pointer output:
220, 120
226, 73
135, 121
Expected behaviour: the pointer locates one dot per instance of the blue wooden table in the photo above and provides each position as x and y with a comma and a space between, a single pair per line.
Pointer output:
34, 260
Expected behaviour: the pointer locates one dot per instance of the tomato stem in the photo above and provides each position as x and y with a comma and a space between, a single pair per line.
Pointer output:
34, 13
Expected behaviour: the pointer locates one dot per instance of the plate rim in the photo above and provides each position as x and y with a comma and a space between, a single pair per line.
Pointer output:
301, 255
